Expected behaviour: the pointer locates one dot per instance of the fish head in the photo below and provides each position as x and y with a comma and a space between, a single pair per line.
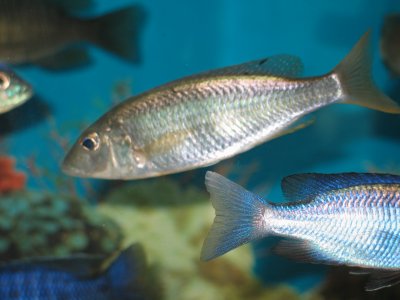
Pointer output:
13, 90
107, 152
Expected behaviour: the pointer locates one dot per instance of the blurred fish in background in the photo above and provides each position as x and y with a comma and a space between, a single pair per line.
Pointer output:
390, 43
336, 219
202, 119
80, 277
14, 91
46, 32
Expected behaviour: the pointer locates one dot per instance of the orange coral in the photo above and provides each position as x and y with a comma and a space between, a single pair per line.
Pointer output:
10, 179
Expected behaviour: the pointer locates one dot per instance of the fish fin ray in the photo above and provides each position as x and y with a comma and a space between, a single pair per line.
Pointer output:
118, 32
166, 142
278, 65
301, 250
238, 220
294, 128
381, 279
308, 185
354, 73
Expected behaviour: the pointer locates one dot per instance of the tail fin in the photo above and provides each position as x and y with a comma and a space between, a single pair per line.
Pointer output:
354, 73
118, 31
239, 216
131, 278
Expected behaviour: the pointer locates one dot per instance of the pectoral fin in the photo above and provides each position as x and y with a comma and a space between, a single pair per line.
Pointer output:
166, 142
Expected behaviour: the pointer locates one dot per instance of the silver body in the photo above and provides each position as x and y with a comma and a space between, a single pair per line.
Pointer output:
201, 122
202, 119
198, 122
356, 226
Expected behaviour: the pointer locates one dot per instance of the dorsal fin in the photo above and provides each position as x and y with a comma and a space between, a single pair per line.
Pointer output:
278, 65
307, 186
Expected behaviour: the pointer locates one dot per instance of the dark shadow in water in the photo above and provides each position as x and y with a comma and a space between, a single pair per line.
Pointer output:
388, 125
29, 114
339, 284
274, 269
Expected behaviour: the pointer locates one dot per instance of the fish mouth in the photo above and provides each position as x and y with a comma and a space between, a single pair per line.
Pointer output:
71, 170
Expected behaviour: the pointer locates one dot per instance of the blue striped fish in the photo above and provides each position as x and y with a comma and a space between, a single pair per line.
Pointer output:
348, 219
80, 277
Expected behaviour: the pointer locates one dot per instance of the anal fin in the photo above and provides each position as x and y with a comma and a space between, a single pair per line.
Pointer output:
294, 127
381, 279
301, 250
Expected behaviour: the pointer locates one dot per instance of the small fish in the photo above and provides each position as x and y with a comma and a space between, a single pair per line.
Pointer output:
337, 219
200, 120
78, 278
44, 32
390, 43
13, 90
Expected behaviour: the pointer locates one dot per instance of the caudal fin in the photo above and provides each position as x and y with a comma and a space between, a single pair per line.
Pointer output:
239, 216
118, 32
355, 74
131, 278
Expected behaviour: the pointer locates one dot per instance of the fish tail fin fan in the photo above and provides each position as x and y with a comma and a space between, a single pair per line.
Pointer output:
355, 75
239, 216
131, 277
118, 32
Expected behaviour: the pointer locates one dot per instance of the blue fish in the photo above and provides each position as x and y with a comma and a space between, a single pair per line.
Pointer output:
337, 219
79, 277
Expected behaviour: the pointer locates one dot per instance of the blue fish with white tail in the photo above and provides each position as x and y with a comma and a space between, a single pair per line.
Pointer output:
348, 219
80, 277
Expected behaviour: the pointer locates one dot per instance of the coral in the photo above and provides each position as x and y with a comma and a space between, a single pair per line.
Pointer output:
43, 224
10, 180
172, 223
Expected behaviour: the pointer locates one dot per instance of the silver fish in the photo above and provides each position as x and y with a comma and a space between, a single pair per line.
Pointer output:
13, 90
337, 219
200, 120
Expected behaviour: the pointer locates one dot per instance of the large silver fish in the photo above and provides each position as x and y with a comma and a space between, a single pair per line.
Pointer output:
13, 90
338, 219
201, 120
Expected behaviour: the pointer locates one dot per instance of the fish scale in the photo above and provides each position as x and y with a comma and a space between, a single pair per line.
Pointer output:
348, 219
202, 119
333, 224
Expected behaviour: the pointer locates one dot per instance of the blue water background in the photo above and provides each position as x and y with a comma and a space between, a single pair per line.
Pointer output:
184, 37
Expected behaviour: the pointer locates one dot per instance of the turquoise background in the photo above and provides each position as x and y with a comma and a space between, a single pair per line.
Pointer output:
184, 37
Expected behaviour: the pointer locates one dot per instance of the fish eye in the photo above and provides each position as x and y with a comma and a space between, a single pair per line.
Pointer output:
91, 142
4, 81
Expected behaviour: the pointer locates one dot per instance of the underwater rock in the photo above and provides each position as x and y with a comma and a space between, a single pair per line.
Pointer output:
171, 223
43, 224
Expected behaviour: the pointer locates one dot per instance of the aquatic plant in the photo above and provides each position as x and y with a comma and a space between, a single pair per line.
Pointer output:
46, 224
